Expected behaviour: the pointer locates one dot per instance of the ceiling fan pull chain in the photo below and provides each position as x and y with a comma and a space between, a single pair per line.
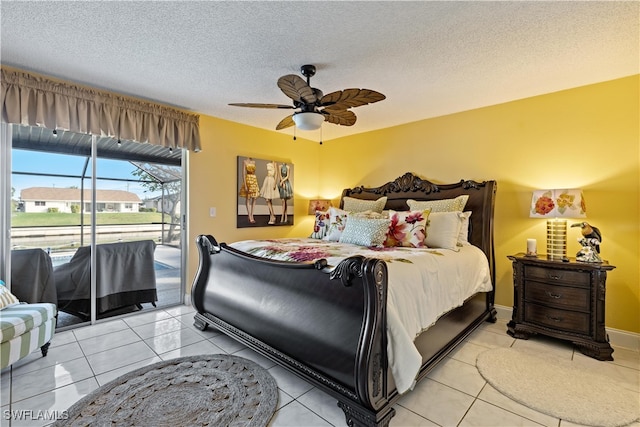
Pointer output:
320, 135
294, 132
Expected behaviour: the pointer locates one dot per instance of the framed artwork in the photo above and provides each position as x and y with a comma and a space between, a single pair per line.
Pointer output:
265, 193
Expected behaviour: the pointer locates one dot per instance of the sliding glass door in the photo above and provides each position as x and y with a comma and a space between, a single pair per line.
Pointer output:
97, 220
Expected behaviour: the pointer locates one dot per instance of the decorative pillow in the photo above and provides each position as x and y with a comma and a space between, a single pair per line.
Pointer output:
463, 237
444, 205
371, 214
365, 231
6, 298
351, 204
337, 222
407, 229
443, 230
321, 225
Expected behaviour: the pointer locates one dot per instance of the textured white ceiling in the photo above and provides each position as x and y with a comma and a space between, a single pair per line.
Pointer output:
428, 58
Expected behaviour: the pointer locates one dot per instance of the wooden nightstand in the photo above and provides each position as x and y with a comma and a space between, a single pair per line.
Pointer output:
561, 299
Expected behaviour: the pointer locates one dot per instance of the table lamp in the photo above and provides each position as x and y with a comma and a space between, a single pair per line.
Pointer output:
318, 205
556, 206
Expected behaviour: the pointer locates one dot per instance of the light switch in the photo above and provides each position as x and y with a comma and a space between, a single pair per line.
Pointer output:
212, 212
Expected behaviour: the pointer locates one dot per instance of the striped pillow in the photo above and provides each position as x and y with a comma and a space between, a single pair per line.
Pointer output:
6, 298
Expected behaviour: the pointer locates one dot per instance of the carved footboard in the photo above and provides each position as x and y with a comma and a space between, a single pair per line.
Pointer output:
327, 328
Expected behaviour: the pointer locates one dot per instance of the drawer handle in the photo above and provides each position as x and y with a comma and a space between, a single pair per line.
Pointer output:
555, 276
555, 319
554, 296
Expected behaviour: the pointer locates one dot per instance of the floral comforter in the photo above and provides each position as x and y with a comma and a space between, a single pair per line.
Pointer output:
423, 285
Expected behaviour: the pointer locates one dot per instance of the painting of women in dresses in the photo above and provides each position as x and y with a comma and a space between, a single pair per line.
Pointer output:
285, 190
265, 192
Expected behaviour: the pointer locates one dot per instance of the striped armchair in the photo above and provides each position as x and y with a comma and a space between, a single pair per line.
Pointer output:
24, 328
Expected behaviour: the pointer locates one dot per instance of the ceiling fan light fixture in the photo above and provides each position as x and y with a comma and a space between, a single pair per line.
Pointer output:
308, 120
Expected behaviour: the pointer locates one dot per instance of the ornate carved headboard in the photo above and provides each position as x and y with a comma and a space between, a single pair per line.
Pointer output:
409, 186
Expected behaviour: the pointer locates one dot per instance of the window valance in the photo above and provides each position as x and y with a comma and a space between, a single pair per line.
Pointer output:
37, 100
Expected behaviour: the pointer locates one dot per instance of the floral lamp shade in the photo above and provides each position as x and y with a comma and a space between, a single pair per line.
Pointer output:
556, 206
318, 205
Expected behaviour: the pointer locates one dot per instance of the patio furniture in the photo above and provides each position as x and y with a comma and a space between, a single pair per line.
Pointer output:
125, 279
32, 276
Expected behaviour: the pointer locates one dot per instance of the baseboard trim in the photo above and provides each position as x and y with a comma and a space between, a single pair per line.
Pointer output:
617, 337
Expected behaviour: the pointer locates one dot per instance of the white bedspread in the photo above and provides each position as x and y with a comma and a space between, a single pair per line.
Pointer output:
423, 285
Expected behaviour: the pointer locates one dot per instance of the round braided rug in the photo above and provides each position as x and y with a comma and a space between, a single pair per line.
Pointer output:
206, 390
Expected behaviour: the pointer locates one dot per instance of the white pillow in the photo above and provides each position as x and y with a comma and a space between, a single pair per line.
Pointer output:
351, 204
463, 237
337, 222
443, 230
444, 205
365, 231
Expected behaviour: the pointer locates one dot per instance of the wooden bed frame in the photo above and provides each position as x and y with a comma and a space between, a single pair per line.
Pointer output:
332, 331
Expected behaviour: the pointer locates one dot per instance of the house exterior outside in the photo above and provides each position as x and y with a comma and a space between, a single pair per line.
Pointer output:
165, 205
43, 199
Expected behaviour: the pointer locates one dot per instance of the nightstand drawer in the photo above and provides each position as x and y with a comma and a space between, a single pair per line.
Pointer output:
553, 275
560, 296
571, 321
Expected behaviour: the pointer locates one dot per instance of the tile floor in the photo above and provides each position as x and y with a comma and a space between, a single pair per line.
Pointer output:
454, 394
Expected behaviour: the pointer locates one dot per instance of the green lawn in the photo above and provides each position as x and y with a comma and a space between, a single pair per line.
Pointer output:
22, 219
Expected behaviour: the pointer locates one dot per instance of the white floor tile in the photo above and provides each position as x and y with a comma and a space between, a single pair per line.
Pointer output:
160, 327
49, 378
459, 375
489, 339
119, 357
627, 358
227, 344
52, 403
81, 359
484, 414
93, 345
173, 340
467, 352
437, 402
493, 396
247, 353
148, 317
201, 347
546, 345
115, 373
180, 310
324, 405
99, 329
295, 414
406, 418
61, 338
290, 383
35, 361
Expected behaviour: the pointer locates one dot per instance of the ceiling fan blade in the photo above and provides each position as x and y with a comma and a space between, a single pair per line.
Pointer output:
297, 89
339, 117
254, 105
285, 123
343, 99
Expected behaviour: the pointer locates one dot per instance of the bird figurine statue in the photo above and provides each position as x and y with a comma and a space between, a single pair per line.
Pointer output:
590, 241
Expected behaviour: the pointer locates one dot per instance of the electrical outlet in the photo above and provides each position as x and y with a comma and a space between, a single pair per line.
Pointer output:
212, 212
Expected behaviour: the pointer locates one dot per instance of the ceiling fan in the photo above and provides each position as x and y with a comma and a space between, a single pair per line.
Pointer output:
315, 107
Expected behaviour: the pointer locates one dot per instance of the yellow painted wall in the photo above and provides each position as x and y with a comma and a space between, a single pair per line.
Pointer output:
212, 181
585, 138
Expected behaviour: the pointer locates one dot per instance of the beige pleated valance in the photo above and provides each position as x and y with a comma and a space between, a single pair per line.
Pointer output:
36, 100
